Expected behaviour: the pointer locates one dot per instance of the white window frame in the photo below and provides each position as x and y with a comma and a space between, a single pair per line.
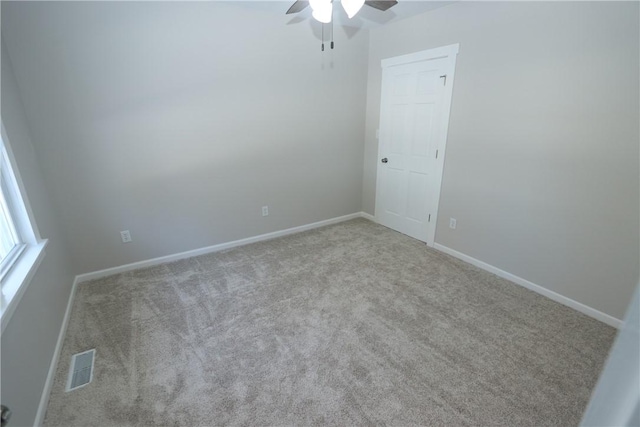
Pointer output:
7, 200
24, 259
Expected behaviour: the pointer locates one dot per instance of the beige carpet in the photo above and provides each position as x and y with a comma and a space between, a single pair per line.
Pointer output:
351, 324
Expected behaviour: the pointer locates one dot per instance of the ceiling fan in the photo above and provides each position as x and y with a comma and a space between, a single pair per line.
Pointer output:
323, 9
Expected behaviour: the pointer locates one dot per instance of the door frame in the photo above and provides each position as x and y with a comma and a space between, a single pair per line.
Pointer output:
450, 53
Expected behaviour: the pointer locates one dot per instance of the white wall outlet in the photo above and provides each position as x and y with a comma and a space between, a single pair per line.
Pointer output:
265, 211
126, 236
452, 223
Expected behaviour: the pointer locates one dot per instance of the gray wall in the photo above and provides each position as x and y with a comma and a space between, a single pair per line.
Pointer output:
179, 121
541, 170
30, 336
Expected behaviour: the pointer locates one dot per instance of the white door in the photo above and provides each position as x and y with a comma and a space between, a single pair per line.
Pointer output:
414, 115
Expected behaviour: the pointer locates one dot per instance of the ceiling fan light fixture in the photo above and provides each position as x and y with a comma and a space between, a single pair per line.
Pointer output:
322, 11
351, 7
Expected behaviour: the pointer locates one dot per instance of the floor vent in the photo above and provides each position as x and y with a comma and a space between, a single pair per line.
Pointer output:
81, 370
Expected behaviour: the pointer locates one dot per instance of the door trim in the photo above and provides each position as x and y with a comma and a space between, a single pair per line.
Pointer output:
449, 52
424, 55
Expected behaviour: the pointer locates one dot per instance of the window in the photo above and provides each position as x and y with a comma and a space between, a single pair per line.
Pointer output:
21, 248
11, 245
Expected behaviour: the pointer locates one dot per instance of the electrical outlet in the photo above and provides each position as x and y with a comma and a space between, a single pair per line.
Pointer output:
452, 223
126, 236
265, 211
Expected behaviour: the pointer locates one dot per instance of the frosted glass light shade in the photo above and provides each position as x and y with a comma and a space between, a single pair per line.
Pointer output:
352, 7
317, 4
322, 12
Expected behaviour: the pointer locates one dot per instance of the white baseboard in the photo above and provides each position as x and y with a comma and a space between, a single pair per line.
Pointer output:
48, 384
589, 311
215, 248
368, 216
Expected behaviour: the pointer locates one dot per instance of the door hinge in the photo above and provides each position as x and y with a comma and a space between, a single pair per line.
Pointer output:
445, 79
436, 154
429, 220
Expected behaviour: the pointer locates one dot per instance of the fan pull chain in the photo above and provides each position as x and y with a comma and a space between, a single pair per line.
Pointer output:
323, 37
331, 29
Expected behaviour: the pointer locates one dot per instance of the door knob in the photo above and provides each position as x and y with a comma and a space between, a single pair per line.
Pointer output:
385, 160
5, 414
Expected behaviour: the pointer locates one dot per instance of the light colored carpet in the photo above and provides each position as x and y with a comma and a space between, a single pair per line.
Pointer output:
351, 324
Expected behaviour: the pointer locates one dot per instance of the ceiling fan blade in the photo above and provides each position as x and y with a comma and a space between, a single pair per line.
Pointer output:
298, 6
381, 4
